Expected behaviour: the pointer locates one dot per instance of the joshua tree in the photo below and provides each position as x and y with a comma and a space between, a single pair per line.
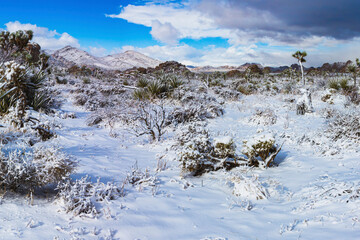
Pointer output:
300, 56
353, 69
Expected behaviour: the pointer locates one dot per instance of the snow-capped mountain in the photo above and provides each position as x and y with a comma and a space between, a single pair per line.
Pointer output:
69, 56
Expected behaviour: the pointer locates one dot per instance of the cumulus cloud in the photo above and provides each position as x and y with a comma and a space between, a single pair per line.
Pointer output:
98, 51
320, 27
164, 32
48, 39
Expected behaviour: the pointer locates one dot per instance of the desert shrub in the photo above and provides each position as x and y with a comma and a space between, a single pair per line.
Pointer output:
37, 167
22, 70
149, 119
227, 94
141, 94
41, 100
194, 112
344, 84
81, 196
156, 89
80, 99
137, 177
260, 150
61, 80
86, 80
142, 83
224, 147
198, 154
344, 127
174, 82
263, 117
352, 95
334, 84
249, 188
244, 90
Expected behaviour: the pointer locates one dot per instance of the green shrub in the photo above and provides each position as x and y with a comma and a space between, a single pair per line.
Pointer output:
141, 94
334, 84
344, 84
142, 83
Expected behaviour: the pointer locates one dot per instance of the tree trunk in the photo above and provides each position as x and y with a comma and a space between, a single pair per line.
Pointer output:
302, 72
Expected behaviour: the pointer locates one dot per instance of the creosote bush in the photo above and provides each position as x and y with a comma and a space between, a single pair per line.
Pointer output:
199, 154
81, 196
260, 150
27, 169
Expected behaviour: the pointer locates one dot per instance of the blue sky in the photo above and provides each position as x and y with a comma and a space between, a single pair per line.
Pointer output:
196, 32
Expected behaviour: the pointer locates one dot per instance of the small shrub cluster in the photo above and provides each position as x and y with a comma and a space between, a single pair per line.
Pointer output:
32, 168
263, 117
249, 188
198, 154
344, 127
80, 196
260, 150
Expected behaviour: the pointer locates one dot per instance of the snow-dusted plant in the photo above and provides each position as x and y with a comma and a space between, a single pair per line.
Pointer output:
140, 178
224, 147
344, 127
260, 147
81, 195
264, 117
149, 120
304, 104
198, 153
195, 147
26, 169
249, 188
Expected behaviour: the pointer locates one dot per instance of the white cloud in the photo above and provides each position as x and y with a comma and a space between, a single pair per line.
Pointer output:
164, 32
47, 39
98, 51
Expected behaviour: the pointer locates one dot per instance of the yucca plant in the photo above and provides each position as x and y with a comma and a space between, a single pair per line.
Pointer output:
40, 101
174, 82
344, 84
142, 83
334, 84
141, 94
156, 88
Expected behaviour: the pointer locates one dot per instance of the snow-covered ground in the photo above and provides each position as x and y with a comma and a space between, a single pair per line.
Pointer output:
310, 194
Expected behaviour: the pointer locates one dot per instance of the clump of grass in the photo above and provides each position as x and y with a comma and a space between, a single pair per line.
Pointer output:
142, 83
141, 94
334, 84
344, 84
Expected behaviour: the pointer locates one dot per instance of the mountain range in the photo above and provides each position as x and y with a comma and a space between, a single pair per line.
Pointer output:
69, 56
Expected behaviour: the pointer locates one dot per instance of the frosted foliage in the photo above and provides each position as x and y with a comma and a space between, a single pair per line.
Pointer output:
80, 197
258, 145
12, 70
22, 169
344, 127
224, 147
264, 117
249, 188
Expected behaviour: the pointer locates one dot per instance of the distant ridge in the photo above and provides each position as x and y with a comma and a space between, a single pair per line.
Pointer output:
69, 56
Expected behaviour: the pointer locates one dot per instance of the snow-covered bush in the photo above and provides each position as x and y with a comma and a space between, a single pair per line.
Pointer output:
27, 169
261, 147
304, 104
199, 154
194, 112
344, 127
263, 117
80, 196
249, 188
195, 149
224, 147
137, 177
149, 120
